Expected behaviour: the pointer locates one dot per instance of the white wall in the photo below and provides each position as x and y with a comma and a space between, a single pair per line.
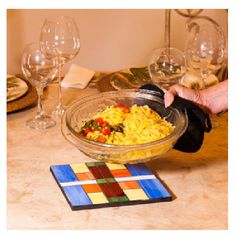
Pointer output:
110, 39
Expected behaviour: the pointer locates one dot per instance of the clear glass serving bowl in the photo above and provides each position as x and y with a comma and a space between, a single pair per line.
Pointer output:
85, 108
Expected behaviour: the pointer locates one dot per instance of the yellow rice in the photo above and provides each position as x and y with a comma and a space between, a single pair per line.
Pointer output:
141, 125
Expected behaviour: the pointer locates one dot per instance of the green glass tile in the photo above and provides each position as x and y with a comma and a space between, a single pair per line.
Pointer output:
90, 164
100, 163
118, 199
101, 181
110, 180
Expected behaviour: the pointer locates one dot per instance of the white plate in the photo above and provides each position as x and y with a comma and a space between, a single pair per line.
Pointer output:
16, 88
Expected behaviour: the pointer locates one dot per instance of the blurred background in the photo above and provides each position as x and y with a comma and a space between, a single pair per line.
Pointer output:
110, 39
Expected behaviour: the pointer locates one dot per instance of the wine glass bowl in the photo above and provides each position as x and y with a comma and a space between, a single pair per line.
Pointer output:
39, 70
60, 40
166, 67
205, 47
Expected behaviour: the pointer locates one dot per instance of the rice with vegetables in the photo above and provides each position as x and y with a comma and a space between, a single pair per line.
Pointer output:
121, 125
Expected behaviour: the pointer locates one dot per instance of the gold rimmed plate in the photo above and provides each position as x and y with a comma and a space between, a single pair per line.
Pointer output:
16, 88
132, 78
21, 98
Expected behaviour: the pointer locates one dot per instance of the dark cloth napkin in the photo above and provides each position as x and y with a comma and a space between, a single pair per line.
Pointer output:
198, 122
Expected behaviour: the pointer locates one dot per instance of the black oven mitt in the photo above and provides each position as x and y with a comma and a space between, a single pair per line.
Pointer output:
198, 122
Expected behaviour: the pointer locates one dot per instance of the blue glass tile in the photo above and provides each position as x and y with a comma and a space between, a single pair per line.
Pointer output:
153, 188
63, 173
76, 195
138, 169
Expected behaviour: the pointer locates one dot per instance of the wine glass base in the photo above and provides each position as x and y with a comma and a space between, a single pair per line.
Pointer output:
58, 112
41, 122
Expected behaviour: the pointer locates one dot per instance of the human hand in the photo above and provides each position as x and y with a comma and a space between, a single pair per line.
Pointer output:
183, 92
212, 100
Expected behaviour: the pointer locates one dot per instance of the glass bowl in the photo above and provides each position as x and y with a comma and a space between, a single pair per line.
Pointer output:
85, 108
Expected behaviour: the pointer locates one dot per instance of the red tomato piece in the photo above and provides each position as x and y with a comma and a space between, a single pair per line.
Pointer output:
105, 130
85, 132
101, 122
125, 108
101, 139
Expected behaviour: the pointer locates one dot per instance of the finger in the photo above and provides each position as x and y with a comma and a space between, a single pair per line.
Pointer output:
168, 98
184, 93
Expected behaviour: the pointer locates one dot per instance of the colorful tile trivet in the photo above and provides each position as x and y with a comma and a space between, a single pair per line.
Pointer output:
99, 184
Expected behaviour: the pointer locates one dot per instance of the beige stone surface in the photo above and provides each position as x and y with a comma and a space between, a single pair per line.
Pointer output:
198, 181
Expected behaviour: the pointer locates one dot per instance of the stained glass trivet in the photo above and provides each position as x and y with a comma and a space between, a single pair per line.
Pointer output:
99, 184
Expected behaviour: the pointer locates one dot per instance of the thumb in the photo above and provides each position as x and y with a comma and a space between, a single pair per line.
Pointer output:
183, 92
168, 98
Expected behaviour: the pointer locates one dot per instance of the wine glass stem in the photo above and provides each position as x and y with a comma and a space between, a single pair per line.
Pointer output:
167, 28
59, 105
39, 105
205, 74
167, 31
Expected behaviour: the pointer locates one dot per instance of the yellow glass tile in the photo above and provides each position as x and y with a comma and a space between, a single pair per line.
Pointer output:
79, 168
135, 194
97, 198
112, 166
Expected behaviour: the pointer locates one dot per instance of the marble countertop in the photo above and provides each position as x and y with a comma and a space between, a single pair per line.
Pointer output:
198, 181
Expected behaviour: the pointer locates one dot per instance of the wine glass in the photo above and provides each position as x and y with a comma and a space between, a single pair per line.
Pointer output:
205, 47
166, 67
59, 38
39, 70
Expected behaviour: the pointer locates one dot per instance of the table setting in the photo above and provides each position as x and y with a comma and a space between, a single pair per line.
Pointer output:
70, 130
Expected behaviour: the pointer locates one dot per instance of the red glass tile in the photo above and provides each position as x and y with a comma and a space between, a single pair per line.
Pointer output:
107, 190
95, 171
118, 192
121, 173
85, 176
105, 171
